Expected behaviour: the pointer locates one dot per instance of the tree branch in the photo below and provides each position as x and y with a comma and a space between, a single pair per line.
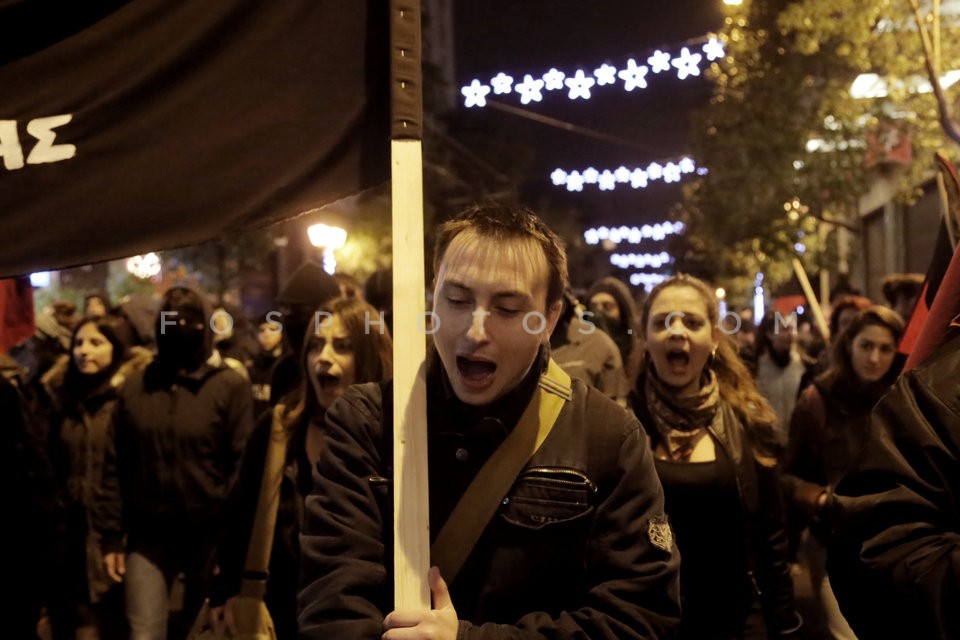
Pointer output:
949, 126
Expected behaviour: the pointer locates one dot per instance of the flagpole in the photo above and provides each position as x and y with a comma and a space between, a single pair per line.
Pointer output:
411, 514
811, 299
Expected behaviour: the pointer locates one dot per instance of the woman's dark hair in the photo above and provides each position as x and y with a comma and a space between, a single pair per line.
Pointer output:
117, 332
737, 386
876, 316
372, 349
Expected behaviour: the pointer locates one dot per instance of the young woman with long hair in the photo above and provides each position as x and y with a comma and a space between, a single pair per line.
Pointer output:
828, 428
82, 386
715, 445
344, 345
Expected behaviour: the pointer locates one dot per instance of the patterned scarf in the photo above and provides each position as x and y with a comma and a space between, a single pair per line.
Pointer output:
682, 421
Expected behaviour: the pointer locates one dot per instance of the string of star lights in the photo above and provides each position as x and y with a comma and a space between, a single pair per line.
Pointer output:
640, 260
580, 84
632, 235
638, 177
647, 280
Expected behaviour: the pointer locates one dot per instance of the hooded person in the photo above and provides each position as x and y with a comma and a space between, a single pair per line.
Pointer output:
173, 448
307, 289
614, 311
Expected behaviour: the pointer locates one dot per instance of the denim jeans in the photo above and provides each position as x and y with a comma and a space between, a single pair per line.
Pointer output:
147, 598
147, 587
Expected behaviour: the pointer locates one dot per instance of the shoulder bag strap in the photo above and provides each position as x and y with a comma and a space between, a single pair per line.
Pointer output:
261, 537
483, 497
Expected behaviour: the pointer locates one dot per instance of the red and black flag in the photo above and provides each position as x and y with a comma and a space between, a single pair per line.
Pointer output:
935, 316
150, 124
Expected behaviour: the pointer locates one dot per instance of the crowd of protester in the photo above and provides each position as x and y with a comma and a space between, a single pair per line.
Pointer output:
141, 456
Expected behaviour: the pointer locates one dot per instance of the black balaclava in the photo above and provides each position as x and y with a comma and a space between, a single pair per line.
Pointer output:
184, 337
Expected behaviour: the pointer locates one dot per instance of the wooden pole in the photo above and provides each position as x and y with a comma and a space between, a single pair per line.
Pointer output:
812, 299
411, 511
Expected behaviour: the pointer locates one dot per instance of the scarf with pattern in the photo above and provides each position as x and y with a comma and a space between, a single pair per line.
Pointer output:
681, 421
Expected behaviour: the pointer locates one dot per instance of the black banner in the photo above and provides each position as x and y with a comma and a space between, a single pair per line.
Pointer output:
166, 123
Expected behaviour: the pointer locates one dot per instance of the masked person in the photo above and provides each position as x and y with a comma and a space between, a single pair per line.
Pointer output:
614, 311
579, 545
174, 445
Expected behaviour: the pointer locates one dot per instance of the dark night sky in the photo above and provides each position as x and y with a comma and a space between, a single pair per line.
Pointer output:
530, 36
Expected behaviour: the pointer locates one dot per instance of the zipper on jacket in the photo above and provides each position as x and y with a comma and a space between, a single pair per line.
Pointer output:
556, 474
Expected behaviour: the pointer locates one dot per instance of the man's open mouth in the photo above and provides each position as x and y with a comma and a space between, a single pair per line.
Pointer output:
475, 370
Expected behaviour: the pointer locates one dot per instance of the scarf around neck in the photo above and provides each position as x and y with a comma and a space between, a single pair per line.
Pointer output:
681, 421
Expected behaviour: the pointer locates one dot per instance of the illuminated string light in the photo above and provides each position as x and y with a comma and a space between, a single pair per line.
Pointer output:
647, 280
638, 178
640, 260
632, 235
579, 84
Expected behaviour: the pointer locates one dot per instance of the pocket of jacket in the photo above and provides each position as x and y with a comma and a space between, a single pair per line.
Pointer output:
548, 496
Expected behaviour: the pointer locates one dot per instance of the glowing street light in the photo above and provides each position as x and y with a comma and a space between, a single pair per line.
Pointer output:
327, 238
145, 266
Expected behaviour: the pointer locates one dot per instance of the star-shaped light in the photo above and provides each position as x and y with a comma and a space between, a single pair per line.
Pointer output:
713, 49
654, 171
554, 79
687, 64
659, 61
591, 236
638, 179
622, 174
590, 175
559, 177
575, 181
702, 171
606, 74
633, 76
502, 84
607, 182
579, 85
671, 172
530, 89
686, 165
475, 94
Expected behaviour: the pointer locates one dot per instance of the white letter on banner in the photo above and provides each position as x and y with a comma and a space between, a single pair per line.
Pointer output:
45, 151
10, 145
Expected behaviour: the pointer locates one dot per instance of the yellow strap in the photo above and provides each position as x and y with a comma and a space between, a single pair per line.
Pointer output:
482, 498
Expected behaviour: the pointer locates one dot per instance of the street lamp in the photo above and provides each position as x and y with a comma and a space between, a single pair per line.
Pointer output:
327, 238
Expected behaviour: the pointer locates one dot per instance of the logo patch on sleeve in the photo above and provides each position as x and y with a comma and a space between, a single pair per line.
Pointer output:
660, 533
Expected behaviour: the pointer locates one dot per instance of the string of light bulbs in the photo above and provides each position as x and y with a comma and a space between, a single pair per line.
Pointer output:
638, 178
580, 84
632, 235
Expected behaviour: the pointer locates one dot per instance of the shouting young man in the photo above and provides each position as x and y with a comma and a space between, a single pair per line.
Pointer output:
578, 547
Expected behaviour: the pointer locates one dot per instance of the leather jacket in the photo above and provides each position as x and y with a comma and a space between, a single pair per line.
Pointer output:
894, 559
569, 554
765, 538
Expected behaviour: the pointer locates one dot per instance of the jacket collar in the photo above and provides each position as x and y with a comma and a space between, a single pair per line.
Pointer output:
463, 417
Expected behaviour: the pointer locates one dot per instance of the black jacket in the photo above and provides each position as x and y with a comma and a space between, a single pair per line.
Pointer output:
173, 449
894, 561
765, 539
568, 555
